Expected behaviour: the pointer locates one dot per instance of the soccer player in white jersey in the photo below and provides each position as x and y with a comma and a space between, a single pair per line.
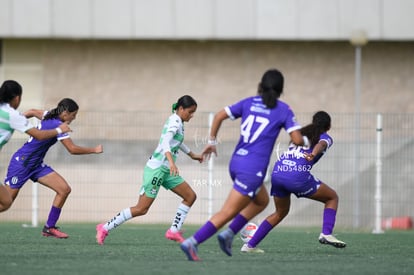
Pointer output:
10, 119
161, 170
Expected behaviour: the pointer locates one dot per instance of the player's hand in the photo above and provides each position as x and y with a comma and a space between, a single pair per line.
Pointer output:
65, 127
174, 170
210, 148
197, 157
308, 156
98, 149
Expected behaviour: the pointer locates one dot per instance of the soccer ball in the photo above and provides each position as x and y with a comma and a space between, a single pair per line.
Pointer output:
248, 231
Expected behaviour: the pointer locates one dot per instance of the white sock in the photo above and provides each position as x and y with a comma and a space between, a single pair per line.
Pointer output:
119, 219
179, 217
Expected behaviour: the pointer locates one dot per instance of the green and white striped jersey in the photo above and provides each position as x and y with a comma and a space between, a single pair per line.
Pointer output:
173, 130
10, 120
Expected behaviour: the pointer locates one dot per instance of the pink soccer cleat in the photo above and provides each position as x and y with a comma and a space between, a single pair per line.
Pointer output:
101, 234
54, 232
174, 236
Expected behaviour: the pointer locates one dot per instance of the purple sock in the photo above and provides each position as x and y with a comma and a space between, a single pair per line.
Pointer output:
53, 216
261, 232
237, 224
205, 232
329, 216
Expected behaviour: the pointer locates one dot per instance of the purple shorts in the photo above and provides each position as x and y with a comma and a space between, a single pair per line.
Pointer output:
283, 186
247, 175
18, 175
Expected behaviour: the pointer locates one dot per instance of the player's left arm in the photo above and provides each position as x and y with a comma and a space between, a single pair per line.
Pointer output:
191, 154
319, 148
80, 150
34, 113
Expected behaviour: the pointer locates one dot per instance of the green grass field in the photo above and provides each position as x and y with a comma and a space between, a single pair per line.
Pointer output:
142, 249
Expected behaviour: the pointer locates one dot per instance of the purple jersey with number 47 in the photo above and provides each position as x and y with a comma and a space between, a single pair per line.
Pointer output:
259, 128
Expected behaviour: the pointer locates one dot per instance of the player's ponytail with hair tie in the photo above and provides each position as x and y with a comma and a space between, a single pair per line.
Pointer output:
174, 107
65, 104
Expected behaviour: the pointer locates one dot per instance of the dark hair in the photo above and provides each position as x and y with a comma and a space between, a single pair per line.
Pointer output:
271, 87
9, 90
321, 122
185, 101
65, 104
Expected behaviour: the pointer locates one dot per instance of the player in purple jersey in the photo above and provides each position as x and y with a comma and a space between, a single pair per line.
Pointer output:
27, 163
292, 174
10, 120
262, 117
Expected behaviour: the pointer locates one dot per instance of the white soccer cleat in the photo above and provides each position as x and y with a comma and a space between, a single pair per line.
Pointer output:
329, 239
246, 248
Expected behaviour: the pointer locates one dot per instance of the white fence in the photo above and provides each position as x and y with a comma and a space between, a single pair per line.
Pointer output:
104, 184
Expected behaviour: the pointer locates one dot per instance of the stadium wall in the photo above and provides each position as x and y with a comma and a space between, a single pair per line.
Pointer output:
151, 75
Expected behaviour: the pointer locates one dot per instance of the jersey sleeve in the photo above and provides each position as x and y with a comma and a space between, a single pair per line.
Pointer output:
291, 123
174, 124
326, 138
19, 122
50, 124
165, 142
63, 136
185, 148
235, 110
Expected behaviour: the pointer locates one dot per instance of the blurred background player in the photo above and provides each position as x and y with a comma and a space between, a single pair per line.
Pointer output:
161, 170
10, 119
262, 118
27, 163
292, 174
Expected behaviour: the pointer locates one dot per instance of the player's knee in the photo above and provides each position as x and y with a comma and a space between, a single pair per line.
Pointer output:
192, 198
265, 201
5, 205
283, 212
335, 197
68, 190
138, 211
64, 192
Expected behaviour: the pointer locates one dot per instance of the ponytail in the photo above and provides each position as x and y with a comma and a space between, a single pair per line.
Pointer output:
321, 122
174, 107
271, 87
65, 104
185, 101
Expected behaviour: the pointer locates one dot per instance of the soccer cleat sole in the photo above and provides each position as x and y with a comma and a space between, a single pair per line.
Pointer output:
53, 236
334, 244
246, 249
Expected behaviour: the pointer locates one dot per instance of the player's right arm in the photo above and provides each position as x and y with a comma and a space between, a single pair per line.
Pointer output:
46, 134
34, 113
20, 123
215, 127
297, 138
